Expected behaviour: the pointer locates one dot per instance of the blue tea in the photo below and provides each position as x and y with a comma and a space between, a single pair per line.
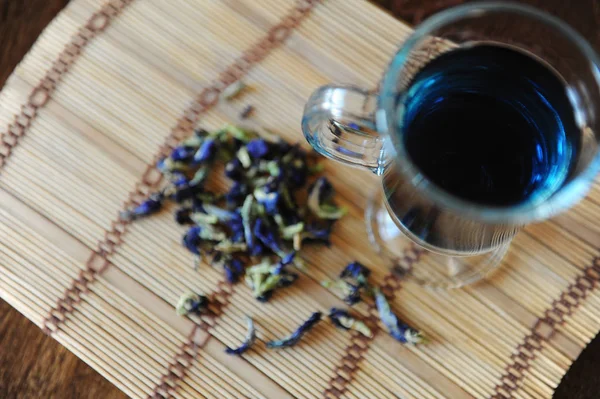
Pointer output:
490, 125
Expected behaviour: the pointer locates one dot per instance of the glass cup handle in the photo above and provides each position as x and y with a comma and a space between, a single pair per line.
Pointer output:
339, 123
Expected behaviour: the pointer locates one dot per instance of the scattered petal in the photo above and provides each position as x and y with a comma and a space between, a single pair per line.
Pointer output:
319, 194
397, 329
295, 337
342, 319
248, 341
234, 269
191, 303
257, 148
206, 152
244, 157
152, 205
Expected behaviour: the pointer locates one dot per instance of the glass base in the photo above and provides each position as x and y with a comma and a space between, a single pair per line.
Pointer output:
428, 268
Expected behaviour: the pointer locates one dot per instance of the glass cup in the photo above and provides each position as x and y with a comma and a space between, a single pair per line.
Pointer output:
422, 230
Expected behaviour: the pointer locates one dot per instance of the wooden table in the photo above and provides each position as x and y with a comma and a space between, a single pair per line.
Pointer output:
33, 365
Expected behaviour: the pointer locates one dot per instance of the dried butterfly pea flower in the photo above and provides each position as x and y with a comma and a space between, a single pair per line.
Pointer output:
269, 200
318, 197
167, 165
152, 205
237, 133
202, 219
234, 270
187, 192
246, 213
244, 157
234, 170
192, 240
182, 216
236, 194
288, 232
227, 246
200, 175
356, 271
221, 214
178, 179
351, 292
257, 215
248, 341
257, 148
206, 152
295, 337
183, 153
268, 236
353, 281
342, 319
265, 277
191, 303
397, 329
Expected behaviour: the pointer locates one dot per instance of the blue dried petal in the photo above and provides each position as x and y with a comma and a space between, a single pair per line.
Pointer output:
353, 296
297, 172
344, 320
336, 314
167, 165
295, 337
270, 200
319, 195
192, 240
248, 341
182, 216
222, 215
187, 192
183, 153
179, 179
257, 249
162, 165
234, 269
355, 270
267, 235
152, 205
236, 195
191, 303
246, 214
237, 229
234, 170
315, 233
285, 260
257, 148
397, 329
206, 152
287, 279
325, 189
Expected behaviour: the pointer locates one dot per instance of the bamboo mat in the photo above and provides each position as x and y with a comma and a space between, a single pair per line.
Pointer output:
108, 88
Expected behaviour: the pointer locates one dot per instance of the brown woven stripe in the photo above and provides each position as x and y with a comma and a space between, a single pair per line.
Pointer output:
45, 88
359, 344
545, 328
152, 177
177, 369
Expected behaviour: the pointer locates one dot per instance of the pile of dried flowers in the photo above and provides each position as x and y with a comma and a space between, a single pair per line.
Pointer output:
255, 230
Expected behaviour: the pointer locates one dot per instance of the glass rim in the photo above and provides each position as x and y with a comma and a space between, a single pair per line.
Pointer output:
566, 196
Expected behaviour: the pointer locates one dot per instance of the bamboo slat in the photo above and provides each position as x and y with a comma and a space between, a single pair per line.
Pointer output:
109, 87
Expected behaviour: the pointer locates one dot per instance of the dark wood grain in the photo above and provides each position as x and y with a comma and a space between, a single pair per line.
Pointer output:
33, 365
